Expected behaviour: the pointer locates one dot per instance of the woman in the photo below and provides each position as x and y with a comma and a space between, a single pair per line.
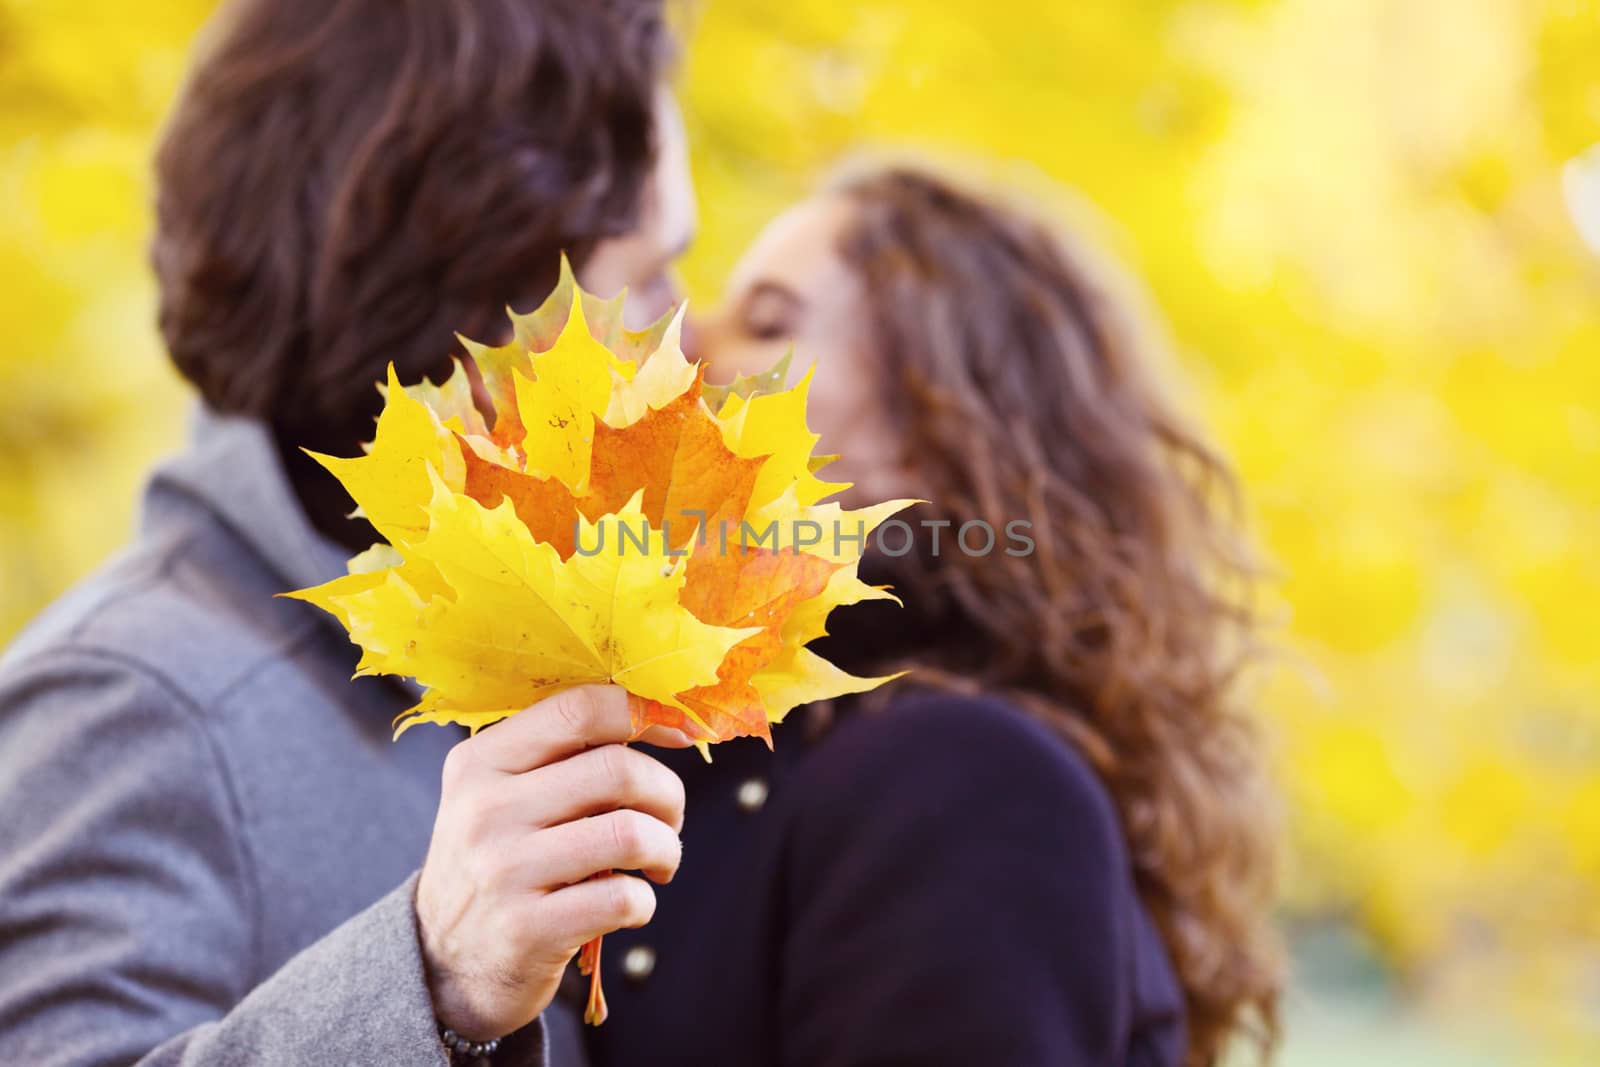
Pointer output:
1047, 845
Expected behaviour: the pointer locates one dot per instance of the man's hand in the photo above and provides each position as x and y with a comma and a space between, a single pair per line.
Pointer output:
531, 808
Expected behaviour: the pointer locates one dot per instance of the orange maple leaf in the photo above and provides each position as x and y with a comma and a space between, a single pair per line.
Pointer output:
545, 505
746, 587
677, 455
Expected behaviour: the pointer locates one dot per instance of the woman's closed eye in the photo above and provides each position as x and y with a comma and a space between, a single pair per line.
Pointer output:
770, 312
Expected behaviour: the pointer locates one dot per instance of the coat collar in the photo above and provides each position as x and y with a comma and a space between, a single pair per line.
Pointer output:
231, 468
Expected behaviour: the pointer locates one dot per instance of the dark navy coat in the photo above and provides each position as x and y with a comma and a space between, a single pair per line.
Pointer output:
936, 883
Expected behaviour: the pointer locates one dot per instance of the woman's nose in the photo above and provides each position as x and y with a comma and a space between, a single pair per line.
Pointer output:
650, 300
691, 339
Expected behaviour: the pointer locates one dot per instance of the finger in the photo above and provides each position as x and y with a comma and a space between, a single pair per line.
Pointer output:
597, 781
664, 737
618, 840
593, 908
659, 733
583, 717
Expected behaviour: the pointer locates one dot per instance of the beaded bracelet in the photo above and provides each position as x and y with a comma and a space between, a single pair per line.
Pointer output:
454, 1042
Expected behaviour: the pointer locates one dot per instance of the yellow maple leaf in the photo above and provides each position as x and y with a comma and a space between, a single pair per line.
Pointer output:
452, 402
800, 676
536, 330
774, 425
569, 389
390, 484
489, 619
665, 376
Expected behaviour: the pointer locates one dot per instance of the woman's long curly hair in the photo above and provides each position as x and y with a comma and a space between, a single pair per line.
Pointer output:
1019, 381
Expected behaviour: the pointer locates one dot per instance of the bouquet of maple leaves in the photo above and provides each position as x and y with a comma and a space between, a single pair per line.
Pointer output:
612, 519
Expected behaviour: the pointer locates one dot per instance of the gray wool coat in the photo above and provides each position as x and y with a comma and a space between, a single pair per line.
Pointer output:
208, 841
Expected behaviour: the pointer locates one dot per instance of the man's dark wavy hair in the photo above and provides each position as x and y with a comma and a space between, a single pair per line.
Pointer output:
343, 184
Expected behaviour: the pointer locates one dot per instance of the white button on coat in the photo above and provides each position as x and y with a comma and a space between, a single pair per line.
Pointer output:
638, 962
752, 794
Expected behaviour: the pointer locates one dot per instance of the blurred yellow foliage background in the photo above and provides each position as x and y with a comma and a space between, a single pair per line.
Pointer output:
1349, 212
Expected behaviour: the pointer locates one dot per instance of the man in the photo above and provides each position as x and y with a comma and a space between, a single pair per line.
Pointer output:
211, 852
